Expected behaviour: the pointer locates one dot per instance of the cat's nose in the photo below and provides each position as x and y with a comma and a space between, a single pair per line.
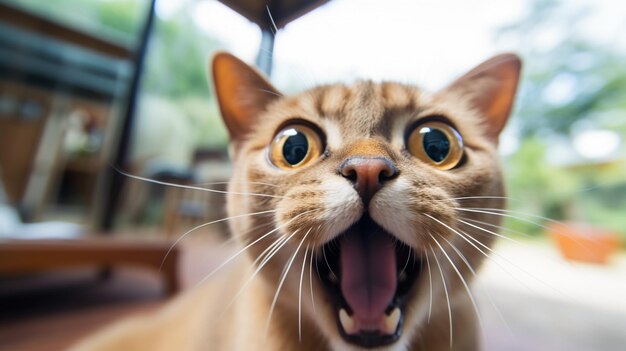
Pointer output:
368, 174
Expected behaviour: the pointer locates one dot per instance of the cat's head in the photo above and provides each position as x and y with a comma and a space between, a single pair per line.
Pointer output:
365, 191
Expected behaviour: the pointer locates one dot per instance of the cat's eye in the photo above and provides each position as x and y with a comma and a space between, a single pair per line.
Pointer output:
437, 144
294, 146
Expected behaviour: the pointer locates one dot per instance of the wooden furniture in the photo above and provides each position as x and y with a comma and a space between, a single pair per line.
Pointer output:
51, 77
33, 256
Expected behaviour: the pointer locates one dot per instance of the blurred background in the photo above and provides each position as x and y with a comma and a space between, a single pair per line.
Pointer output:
90, 89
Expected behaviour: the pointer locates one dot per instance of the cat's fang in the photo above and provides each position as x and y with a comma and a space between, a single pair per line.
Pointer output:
390, 324
347, 322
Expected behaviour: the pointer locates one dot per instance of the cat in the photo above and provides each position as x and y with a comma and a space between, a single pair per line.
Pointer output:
354, 218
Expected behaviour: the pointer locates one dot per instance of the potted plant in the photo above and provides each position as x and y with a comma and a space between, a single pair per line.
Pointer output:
584, 242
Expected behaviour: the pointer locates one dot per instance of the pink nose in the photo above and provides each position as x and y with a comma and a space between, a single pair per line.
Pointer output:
368, 174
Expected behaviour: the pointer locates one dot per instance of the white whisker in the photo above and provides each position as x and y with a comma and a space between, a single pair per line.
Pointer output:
271, 19
408, 258
328, 264
469, 292
430, 286
496, 226
270, 249
236, 182
195, 187
445, 290
504, 213
493, 304
275, 248
311, 278
204, 225
483, 197
488, 231
282, 281
306, 252
269, 92
471, 269
487, 211
247, 247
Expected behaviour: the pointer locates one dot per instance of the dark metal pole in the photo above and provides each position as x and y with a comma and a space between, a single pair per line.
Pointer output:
114, 180
266, 52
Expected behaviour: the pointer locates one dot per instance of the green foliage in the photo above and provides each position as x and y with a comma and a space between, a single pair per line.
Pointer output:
178, 59
593, 75
536, 187
570, 82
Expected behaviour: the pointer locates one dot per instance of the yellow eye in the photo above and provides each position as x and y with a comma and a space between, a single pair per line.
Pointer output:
437, 144
295, 146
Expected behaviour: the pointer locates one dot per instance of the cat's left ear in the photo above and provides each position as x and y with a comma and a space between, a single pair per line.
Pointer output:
491, 88
242, 93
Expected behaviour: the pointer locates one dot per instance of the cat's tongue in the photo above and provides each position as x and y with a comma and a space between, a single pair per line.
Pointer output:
368, 275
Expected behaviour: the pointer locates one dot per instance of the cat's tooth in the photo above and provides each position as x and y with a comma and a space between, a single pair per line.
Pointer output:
391, 321
346, 322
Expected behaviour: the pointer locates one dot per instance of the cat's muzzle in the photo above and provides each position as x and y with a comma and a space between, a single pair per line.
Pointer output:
369, 274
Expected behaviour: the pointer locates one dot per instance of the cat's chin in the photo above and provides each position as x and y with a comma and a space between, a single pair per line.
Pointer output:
369, 275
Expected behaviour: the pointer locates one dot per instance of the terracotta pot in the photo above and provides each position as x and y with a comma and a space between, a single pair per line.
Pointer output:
585, 243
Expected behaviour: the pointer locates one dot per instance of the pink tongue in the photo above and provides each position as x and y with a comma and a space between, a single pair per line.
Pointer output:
368, 274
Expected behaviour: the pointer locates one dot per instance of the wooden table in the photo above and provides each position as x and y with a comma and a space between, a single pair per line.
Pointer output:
30, 256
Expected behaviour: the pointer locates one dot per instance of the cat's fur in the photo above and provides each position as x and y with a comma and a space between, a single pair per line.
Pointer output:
363, 119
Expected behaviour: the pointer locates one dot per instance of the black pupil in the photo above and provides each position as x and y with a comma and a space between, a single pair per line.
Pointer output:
436, 144
295, 148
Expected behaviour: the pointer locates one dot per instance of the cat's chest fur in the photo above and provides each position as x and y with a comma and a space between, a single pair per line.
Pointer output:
356, 212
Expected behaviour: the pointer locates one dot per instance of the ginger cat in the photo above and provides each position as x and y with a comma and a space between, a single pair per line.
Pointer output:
360, 233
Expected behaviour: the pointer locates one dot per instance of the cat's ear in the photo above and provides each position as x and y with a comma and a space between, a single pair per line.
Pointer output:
242, 93
491, 88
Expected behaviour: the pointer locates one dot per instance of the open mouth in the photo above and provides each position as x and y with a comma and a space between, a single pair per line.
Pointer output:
368, 274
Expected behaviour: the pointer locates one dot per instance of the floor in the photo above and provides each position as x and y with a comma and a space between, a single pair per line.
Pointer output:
541, 301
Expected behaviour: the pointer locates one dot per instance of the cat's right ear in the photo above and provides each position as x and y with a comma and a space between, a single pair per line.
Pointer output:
242, 93
490, 87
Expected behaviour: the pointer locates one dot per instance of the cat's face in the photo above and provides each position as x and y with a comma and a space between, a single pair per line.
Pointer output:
365, 184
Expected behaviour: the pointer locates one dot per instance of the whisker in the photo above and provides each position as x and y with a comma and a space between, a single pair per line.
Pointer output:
466, 237
498, 213
311, 277
408, 258
306, 252
430, 287
248, 246
194, 187
282, 281
269, 250
269, 92
204, 225
445, 290
484, 197
504, 213
469, 293
236, 182
488, 231
481, 251
516, 212
271, 19
471, 269
496, 226
282, 242
328, 264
